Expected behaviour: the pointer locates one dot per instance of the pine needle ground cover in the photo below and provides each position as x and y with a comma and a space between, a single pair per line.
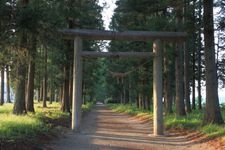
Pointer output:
192, 121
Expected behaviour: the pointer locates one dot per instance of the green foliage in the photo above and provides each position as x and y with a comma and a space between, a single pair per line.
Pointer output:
87, 107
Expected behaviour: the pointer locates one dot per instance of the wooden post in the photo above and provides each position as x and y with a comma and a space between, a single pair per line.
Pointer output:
157, 89
77, 85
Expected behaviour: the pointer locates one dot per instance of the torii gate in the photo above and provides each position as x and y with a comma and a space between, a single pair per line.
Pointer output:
157, 37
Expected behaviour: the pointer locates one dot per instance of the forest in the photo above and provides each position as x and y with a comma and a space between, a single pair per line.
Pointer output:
37, 62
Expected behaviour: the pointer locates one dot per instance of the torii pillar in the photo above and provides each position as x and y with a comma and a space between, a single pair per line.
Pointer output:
77, 85
158, 124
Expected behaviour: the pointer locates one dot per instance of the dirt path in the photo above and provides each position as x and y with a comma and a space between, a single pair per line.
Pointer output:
103, 129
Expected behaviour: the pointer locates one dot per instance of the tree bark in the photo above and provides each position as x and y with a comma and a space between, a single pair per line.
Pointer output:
179, 64
187, 53
180, 107
167, 84
30, 88
212, 112
193, 81
199, 55
2, 85
61, 94
39, 93
45, 79
31, 72
71, 85
187, 80
19, 104
8, 84
52, 94
65, 102
140, 99
137, 100
41, 90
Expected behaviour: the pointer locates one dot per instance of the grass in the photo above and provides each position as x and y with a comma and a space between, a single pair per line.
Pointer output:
192, 121
27, 127
13, 127
132, 110
87, 107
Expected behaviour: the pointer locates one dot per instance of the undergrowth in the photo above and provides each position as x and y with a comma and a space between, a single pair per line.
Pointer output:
87, 106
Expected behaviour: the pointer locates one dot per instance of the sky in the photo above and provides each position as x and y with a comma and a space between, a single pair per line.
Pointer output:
108, 11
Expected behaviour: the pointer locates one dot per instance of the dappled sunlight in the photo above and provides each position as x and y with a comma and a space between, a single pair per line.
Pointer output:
103, 128
29, 125
113, 130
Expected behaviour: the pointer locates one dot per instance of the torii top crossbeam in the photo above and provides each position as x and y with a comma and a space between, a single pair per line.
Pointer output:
125, 35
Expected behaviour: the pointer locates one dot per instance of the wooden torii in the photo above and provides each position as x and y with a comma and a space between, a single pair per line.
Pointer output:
157, 37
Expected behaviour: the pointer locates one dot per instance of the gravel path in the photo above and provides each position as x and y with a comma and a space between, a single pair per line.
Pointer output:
103, 129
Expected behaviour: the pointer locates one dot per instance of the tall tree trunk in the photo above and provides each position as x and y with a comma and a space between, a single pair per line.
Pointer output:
187, 58
83, 93
45, 79
137, 100
39, 93
187, 80
179, 64
140, 99
2, 85
212, 112
71, 85
65, 102
199, 55
30, 87
19, 104
31, 72
147, 103
52, 94
121, 95
41, 90
193, 81
57, 95
167, 84
61, 94
180, 106
8, 84
130, 91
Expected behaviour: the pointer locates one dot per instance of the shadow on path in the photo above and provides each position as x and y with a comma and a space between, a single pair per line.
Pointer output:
104, 129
